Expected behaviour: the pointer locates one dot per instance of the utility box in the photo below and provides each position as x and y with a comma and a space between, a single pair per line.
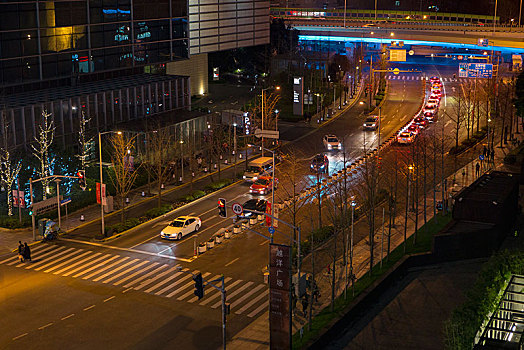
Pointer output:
300, 284
41, 226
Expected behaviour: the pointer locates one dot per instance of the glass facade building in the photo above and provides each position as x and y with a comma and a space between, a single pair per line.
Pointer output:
44, 40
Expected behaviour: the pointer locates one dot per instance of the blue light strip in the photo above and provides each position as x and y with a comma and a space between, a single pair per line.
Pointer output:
112, 12
409, 42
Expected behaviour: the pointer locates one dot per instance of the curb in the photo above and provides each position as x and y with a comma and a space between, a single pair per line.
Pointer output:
149, 198
158, 218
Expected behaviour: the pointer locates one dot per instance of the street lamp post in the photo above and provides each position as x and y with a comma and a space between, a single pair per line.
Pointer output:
263, 111
101, 176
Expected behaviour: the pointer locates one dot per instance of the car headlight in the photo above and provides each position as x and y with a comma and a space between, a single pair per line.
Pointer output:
244, 176
329, 146
373, 124
255, 178
339, 144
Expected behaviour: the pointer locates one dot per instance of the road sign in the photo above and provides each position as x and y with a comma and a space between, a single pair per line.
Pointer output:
481, 156
411, 52
480, 70
45, 205
65, 201
271, 229
463, 70
396, 71
237, 208
397, 55
268, 134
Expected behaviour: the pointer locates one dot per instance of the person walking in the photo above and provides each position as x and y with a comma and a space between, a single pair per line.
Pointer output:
20, 251
27, 252
305, 304
477, 169
485, 152
493, 156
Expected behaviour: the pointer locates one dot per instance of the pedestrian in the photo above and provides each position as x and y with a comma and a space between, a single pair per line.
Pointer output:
27, 252
477, 169
199, 161
492, 155
20, 251
485, 152
304, 304
316, 293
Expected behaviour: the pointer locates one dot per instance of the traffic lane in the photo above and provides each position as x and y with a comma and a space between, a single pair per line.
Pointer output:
204, 208
47, 311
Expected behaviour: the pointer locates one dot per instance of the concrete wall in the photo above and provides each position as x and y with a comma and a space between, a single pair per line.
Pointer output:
196, 67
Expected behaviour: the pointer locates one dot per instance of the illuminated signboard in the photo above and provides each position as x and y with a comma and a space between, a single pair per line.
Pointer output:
298, 96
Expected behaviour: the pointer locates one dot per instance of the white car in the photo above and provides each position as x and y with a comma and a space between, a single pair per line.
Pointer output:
180, 227
331, 142
371, 123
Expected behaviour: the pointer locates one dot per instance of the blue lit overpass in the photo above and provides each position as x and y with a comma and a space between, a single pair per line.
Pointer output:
463, 30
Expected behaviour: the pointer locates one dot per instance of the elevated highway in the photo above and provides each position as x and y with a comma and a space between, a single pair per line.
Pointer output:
499, 36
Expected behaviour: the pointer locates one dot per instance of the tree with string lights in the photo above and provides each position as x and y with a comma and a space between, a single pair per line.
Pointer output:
41, 148
9, 170
83, 142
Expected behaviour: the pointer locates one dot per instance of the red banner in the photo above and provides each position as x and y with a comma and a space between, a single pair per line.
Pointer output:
268, 211
100, 192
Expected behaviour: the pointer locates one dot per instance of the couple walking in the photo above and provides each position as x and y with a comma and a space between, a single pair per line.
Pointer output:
24, 253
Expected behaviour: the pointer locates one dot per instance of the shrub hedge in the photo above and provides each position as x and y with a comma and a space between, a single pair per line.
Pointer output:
475, 138
482, 299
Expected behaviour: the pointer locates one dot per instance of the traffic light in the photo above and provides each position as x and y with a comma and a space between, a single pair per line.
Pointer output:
222, 207
81, 174
199, 286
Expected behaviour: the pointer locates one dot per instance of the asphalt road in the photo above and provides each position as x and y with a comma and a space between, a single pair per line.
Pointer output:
140, 298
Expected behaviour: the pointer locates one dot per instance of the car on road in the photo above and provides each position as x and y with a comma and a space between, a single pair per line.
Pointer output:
434, 101
435, 97
420, 121
371, 123
430, 115
405, 137
263, 185
320, 163
436, 91
181, 226
331, 142
434, 79
251, 205
413, 128
430, 108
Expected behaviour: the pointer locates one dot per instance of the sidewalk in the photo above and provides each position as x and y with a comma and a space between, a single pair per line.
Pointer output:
256, 335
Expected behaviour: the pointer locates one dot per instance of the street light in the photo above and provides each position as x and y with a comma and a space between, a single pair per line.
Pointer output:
263, 108
101, 177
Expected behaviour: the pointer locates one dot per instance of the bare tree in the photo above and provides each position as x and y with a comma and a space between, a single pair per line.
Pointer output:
43, 143
83, 141
123, 175
157, 157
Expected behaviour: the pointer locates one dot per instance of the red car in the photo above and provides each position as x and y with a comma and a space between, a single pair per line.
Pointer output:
413, 128
420, 121
263, 185
429, 115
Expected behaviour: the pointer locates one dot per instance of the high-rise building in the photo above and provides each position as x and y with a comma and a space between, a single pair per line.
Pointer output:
107, 58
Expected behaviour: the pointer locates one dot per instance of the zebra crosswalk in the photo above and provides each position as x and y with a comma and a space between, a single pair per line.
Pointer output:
419, 77
245, 297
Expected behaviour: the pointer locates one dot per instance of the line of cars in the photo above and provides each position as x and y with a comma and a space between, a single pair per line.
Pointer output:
408, 134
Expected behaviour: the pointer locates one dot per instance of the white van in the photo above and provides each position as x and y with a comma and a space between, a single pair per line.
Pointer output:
258, 167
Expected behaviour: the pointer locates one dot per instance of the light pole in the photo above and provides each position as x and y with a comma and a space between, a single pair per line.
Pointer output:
263, 111
101, 176
353, 204
272, 186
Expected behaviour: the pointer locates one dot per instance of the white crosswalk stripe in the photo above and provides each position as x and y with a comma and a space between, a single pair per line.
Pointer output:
115, 270
164, 281
112, 278
96, 266
177, 282
55, 255
48, 251
127, 278
191, 292
252, 302
151, 280
189, 284
141, 278
142, 275
231, 295
68, 262
247, 295
56, 260
83, 264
